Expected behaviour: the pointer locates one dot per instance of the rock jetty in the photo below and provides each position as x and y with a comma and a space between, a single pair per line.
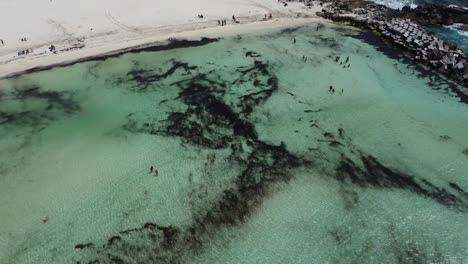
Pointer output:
425, 47
404, 33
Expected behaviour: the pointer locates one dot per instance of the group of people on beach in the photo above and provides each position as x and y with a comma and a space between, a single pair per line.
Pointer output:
25, 52
223, 22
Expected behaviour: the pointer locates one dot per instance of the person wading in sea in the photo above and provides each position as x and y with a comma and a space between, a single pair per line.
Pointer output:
152, 169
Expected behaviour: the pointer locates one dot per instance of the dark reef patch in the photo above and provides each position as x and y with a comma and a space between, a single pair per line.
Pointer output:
289, 31
209, 121
252, 54
372, 173
212, 122
264, 166
217, 113
465, 152
36, 107
326, 42
141, 79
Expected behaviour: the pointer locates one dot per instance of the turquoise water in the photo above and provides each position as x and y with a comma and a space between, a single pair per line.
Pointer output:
257, 161
456, 34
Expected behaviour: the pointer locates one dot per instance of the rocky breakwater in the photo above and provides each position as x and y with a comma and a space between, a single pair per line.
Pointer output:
425, 47
408, 34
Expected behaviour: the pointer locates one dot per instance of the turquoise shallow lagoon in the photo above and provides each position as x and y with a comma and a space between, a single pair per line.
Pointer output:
258, 162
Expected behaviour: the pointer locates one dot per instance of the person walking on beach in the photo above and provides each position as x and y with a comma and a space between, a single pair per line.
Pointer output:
151, 168
1, 41
294, 40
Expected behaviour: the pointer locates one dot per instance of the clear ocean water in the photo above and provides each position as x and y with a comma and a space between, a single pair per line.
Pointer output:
456, 34
322, 151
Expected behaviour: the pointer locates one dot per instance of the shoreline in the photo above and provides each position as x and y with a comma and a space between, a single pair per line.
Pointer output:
57, 38
177, 39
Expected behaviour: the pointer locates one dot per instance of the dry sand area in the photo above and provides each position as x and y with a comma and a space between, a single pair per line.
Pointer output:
87, 28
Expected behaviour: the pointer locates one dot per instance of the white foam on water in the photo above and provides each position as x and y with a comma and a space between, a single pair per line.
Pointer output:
460, 28
456, 6
396, 4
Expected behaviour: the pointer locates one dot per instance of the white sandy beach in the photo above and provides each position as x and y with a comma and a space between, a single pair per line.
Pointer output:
83, 29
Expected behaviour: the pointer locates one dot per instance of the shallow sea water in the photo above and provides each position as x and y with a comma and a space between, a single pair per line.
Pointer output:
258, 162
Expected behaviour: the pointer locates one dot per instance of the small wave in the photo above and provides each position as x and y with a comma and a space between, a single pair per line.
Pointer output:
399, 4
396, 4
455, 6
461, 29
